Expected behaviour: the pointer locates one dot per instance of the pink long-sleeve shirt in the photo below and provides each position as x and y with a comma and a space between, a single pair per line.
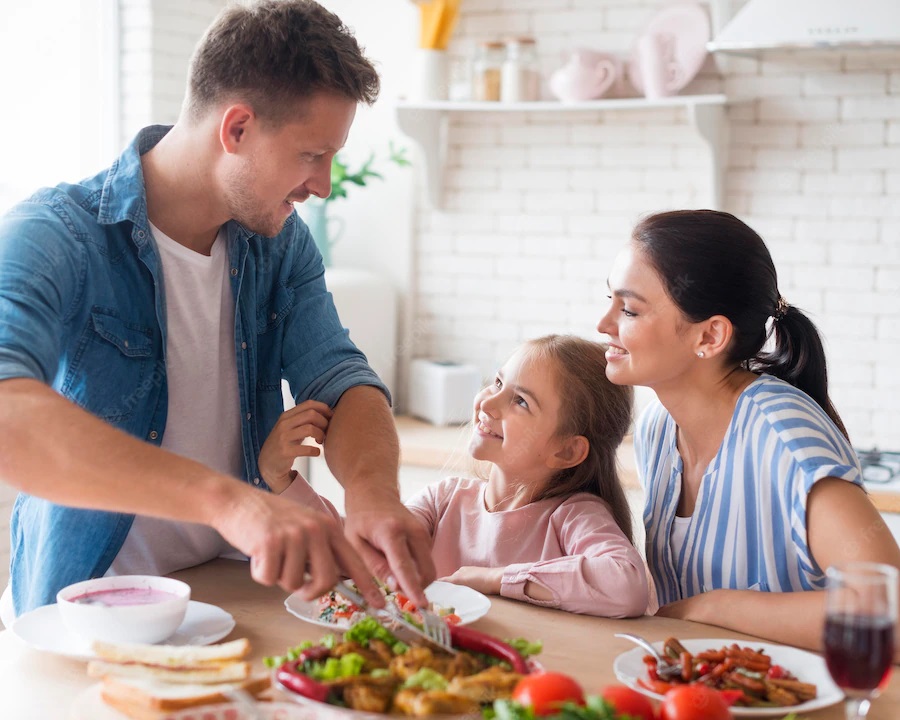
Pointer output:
571, 546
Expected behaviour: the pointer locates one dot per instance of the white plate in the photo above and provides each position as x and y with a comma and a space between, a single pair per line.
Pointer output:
469, 604
807, 666
43, 629
89, 705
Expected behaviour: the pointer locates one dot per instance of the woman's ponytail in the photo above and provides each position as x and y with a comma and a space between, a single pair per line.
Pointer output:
798, 358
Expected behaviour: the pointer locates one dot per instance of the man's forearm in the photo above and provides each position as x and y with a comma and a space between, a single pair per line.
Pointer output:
361, 445
53, 449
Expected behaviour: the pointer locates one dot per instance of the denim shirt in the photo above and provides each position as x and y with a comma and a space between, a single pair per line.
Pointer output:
82, 309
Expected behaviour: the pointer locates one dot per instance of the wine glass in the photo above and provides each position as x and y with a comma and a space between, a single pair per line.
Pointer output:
860, 614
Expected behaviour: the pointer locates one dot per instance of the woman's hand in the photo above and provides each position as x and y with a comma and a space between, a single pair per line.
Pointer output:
285, 443
693, 608
484, 580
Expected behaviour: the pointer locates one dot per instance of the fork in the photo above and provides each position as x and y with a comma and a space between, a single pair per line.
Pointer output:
436, 628
665, 668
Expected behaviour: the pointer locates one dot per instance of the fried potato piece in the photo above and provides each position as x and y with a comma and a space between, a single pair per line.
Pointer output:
495, 683
416, 703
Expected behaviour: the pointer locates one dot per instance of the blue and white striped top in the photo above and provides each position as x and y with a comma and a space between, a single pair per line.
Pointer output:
748, 529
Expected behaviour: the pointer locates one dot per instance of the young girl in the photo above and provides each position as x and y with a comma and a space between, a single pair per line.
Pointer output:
550, 525
750, 482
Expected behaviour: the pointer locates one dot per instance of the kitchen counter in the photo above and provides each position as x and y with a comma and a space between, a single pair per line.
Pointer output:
431, 446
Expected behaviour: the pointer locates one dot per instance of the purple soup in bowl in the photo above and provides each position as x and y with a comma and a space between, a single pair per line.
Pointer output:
124, 608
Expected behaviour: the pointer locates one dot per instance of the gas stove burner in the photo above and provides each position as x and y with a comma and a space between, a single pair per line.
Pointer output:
879, 466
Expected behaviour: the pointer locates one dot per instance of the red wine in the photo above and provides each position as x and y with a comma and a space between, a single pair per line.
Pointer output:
859, 650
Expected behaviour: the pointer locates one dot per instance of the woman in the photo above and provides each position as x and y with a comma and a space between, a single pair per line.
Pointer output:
751, 484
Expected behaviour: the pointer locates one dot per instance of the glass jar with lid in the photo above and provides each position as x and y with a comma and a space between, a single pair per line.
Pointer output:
520, 74
486, 69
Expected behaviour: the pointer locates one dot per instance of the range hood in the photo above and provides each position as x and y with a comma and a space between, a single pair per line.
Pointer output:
763, 24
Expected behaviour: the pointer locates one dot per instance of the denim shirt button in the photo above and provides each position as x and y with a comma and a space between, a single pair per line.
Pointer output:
274, 315
248, 416
154, 434
243, 346
141, 233
256, 481
233, 272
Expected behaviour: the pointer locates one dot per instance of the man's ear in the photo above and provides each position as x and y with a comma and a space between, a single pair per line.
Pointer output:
572, 452
235, 121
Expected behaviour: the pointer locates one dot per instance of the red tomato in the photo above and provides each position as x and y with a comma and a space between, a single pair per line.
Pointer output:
545, 692
776, 672
452, 619
626, 701
694, 702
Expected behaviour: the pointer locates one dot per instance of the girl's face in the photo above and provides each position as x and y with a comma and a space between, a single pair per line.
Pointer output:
650, 341
516, 418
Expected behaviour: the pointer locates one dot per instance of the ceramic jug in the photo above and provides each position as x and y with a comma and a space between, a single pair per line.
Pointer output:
587, 75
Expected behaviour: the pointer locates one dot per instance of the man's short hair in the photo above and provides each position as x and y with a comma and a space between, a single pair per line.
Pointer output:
273, 54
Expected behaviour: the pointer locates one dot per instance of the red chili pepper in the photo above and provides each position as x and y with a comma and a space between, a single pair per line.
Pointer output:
294, 679
465, 638
291, 677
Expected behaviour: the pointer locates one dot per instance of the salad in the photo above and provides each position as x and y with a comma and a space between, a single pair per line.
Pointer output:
371, 670
333, 607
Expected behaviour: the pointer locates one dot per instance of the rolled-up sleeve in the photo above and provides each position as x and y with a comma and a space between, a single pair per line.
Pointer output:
320, 360
42, 271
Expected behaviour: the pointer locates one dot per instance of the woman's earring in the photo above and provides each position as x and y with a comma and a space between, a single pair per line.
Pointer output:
700, 354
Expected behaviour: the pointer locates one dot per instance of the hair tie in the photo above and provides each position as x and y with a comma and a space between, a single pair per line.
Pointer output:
781, 308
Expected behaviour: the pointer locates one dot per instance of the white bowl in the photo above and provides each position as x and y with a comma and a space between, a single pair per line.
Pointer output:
149, 622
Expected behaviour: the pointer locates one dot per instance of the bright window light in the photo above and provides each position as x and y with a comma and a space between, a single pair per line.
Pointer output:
60, 65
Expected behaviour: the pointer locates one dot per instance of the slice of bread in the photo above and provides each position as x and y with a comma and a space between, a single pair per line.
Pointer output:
233, 671
182, 656
149, 699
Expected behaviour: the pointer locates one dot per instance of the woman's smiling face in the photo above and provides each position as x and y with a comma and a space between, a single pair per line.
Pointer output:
649, 339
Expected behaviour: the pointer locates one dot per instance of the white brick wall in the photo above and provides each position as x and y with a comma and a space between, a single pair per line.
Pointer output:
537, 205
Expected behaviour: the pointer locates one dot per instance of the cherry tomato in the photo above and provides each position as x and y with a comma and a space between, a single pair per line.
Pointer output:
626, 701
452, 619
545, 692
776, 672
694, 702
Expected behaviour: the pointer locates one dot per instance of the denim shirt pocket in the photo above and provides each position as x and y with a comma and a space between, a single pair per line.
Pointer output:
274, 310
124, 351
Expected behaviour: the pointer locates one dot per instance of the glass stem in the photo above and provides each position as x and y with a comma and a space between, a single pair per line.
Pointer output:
857, 708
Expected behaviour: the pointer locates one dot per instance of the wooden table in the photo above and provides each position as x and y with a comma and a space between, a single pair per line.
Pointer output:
40, 686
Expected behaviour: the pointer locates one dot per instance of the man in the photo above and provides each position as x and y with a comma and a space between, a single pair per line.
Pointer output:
149, 314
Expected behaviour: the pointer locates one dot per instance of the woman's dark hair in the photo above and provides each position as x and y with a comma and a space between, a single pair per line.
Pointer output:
595, 408
274, 53
711, 263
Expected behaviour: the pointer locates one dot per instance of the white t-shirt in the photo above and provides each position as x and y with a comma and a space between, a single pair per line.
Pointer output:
680, 527
203, 421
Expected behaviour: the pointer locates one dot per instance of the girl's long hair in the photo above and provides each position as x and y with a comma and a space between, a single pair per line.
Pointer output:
595, 408
711, 263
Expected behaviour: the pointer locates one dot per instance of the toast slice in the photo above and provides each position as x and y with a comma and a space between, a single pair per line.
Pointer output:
183, 656
233, 671
150, 699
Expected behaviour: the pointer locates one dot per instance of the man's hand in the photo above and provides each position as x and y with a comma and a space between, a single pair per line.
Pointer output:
288, 545
393, 543
485, 580
285, 443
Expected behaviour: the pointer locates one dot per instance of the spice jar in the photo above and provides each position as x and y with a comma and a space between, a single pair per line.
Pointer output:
520, 74
486, 69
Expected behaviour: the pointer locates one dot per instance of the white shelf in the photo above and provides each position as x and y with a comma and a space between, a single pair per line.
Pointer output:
426, 124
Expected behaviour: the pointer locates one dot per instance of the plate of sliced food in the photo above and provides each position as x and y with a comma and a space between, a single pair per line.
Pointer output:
760, 679
457, 604
370, 673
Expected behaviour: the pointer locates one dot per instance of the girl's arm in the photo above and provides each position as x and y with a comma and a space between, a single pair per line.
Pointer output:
842, 526
600, 574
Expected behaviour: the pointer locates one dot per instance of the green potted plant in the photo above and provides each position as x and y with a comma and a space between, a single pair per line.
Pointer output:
342, 178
